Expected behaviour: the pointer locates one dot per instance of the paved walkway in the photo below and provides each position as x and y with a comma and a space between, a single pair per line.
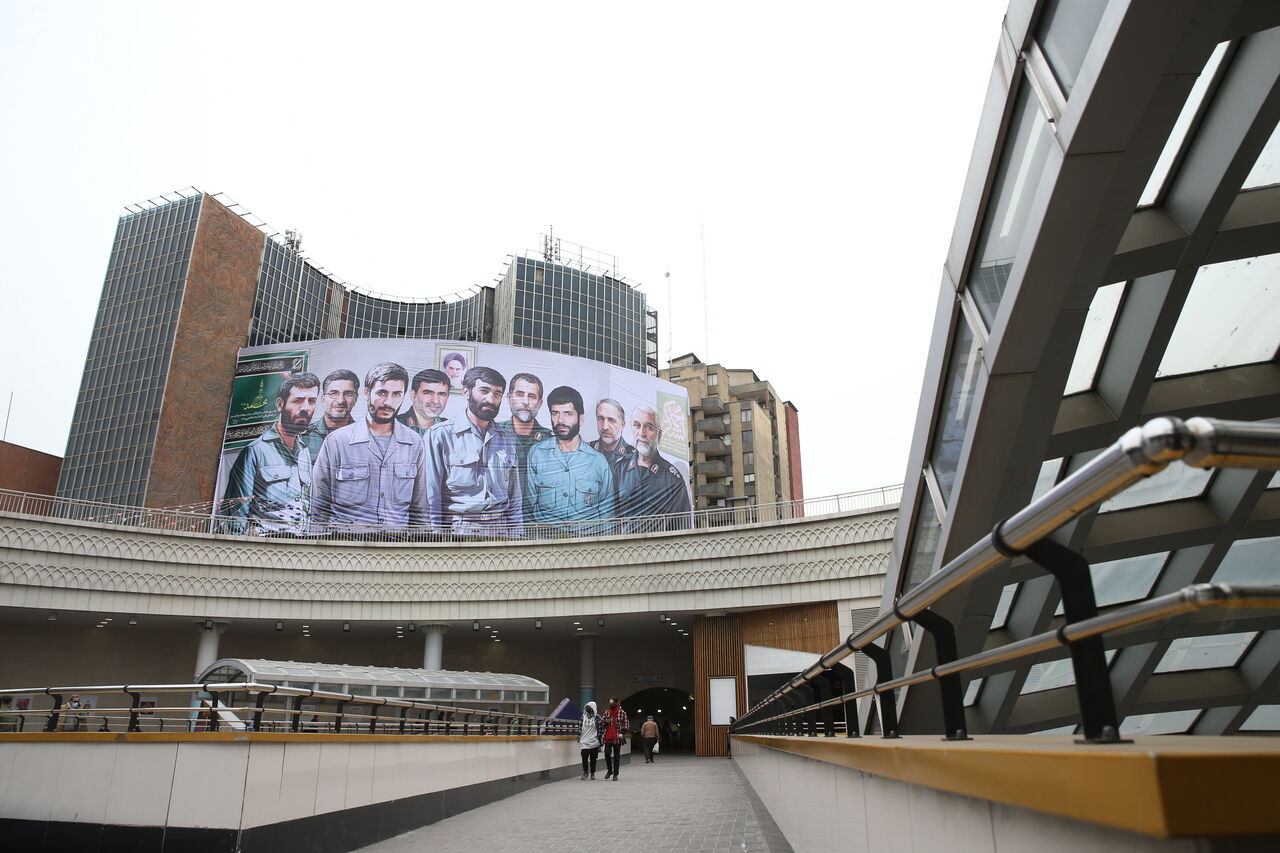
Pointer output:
678, 803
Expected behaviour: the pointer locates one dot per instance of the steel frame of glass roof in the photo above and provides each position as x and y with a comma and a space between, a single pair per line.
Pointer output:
1060, 203
367, 680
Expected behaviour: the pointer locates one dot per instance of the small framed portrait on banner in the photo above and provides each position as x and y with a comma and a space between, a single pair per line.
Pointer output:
455, 360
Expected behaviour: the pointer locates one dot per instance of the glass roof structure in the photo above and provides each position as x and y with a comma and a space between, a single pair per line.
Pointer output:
1116, 258
380, 680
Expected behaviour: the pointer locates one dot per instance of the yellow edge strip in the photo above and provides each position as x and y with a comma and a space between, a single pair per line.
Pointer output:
260, 737
1166, 786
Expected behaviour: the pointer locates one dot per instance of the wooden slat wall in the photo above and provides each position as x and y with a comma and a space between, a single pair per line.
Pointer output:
802, 627
717, 653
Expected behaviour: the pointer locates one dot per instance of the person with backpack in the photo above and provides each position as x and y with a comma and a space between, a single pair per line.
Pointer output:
589, 740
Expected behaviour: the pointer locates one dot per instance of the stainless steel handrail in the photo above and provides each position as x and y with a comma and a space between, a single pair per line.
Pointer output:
489, 717
1185, 600
1139, 453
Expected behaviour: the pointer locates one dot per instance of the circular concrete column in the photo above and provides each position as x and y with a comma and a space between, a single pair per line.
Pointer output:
586, 669
207, 651
433, 646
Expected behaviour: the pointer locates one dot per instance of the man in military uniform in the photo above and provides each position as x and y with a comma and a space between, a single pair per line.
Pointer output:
525, 400
649, 485
338, 397
472, 465
569, 480
610, 421
430, 393
269, 489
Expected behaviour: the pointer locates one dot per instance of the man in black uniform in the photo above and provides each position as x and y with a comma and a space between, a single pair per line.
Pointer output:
648, 484
430, 393
610, 420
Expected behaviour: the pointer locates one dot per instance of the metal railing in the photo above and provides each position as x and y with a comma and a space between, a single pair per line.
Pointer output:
1139, 453
264, 712
205, 521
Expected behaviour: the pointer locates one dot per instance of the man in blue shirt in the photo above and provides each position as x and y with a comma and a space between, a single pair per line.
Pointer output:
569, 481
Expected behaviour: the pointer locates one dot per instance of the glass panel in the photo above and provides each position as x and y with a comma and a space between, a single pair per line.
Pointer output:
1066, 31
1229, 318
1053, 674
1023, 161
971, 693
1265, 718
1130, 579
1275, 481
1093, 338
924, 544
1266, 170
441, 693
1047, 478
332, 688
1058, 730
491, 695
1176, 482
415, 693
962, 380
1166, 723
1251, 561
1216, 652
1178, 135
1001, 617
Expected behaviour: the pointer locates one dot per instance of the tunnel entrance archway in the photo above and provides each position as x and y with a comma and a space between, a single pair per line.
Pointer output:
672, 710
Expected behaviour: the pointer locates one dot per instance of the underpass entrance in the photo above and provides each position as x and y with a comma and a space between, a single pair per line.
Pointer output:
671, 709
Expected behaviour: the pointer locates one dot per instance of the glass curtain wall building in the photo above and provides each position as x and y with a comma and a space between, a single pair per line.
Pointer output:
118, 405
190, 281
576, 312
1115, 259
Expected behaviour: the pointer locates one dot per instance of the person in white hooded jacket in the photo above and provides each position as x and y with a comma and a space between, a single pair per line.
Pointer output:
589, 740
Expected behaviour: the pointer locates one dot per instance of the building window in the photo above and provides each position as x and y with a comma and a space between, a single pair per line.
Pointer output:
746, 414
748, 458
748, 478
746, 438
712, 380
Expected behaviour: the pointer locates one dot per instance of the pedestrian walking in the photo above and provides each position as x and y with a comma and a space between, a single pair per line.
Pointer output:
615, 732
649, 732
589, 740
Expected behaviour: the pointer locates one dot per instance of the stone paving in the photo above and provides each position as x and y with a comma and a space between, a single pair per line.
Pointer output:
678, 803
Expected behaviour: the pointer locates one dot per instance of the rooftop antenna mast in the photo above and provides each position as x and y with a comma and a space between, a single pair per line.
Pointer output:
551, 246
293, 239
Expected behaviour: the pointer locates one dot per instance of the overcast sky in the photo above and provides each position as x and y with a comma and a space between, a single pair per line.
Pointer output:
809, 159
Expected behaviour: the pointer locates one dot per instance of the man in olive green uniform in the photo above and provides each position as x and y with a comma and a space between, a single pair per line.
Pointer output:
338, 397
269, 488
429, 394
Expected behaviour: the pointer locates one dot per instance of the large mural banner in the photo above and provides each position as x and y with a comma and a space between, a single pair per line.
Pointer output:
350, 435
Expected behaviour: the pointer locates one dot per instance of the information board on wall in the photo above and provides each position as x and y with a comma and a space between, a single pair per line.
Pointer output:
454, 437
724, 700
